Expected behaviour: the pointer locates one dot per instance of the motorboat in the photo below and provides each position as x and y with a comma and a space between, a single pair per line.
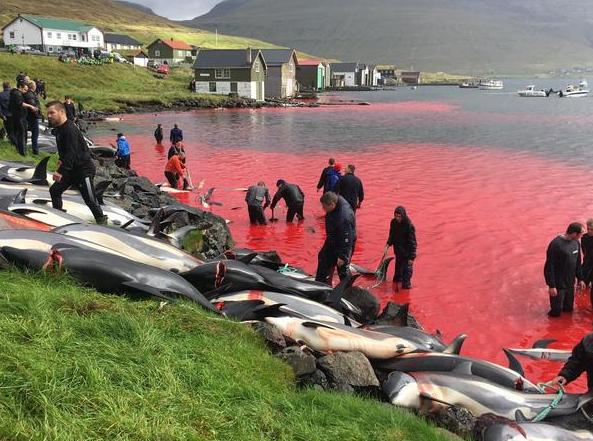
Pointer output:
531, 92
468, 85
579, 91
491, 85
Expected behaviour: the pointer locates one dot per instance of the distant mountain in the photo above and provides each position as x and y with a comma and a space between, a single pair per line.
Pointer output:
451, 35
138, 6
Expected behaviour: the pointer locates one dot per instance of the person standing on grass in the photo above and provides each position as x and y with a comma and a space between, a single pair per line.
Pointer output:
75, 165
563, 268
122, 154
18, 109
176, 134
158, 133
5, 116
70, 108
33, 116
402, 237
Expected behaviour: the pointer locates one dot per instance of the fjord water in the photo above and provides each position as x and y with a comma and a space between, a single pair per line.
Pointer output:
488, 178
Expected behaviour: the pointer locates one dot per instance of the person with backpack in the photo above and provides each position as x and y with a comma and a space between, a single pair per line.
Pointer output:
323, 178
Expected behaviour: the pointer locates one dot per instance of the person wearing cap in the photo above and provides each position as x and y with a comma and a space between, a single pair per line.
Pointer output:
255, 197
340, 230
563, 268
175, 170
350, 188
122, 154
581, 360
402, 237
294, 198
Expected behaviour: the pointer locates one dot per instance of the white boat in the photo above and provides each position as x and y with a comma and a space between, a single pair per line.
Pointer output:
491, 85
530, 91
579, 91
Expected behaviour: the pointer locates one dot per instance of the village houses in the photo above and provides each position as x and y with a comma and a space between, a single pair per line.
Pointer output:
170, 51
281, 73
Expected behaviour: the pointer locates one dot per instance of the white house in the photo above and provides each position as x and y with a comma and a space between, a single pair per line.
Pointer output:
50, 34
344, 74
117, 42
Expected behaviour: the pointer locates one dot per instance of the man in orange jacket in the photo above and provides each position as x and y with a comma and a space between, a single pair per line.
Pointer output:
175, 170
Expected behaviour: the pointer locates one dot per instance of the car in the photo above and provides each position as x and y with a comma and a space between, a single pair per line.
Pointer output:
163, 69
23, 48
152, 64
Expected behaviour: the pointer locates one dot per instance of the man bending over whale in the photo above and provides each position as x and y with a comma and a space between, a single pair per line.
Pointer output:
75, 167
581, 360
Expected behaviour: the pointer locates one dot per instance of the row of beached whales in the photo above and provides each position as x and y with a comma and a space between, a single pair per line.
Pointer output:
128, 258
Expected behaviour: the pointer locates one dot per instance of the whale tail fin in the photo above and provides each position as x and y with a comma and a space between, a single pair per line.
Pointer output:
543, 343
40, 173
514, 364
455, 346
381, 272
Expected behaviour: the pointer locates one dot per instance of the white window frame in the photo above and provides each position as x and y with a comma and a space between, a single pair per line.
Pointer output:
222, 73
50, 48
157, 53
73, 37
49, 34
58, 35
257, 66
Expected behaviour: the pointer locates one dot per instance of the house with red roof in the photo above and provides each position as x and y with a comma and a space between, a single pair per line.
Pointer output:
312, 75
169, 50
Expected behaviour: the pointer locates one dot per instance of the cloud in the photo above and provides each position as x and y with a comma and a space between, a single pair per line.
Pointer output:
179, 9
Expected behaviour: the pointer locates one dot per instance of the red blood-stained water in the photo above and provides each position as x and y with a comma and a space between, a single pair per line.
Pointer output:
484, 217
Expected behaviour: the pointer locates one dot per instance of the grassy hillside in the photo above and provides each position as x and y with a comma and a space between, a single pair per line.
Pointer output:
111, 15
79, 365
465, 36
107, 87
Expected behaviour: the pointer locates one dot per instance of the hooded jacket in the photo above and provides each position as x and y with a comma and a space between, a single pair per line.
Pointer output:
323, 178
580, 361
123, 147
340, 229
402, 236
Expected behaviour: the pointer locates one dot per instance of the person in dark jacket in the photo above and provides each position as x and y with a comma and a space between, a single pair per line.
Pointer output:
323, 178
255, 197
563, 265
75, 166
158, 134
18, 109
587, 250
340, 230
176, 134
294, 198
581, 360
123, 153
5, 116
350, 188
402, 237
70, 108
175, 149
33, 116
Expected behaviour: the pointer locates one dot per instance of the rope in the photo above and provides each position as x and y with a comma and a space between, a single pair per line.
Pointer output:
553, 405
286, 269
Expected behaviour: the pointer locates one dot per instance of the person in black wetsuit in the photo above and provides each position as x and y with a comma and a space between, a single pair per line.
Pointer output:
75, 167
563, 265
33, 116
587, 250
158, 134
402, 237
255, 197
70, 108
340, 230
350, 188
323, 182
581, 360
5, 115
294, 198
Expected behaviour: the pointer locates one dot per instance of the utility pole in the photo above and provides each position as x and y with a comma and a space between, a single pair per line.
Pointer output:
216, 38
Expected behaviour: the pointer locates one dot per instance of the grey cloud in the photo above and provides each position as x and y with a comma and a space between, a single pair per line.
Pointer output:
179, 9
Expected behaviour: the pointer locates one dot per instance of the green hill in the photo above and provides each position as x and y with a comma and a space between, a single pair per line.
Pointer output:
467, 36
77, 365
113, 16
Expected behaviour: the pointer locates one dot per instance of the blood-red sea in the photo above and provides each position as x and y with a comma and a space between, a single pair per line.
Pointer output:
484, 216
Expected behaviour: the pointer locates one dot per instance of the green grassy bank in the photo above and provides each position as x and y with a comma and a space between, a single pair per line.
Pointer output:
108, 87
79, 365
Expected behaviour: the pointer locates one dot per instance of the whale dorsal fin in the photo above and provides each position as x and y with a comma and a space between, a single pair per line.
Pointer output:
542, 344
514, 364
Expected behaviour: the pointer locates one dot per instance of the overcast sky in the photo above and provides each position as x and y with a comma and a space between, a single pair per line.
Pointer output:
179, 9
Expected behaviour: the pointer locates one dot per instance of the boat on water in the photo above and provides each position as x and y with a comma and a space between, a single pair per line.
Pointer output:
579, 91
531, 92
468, 85
491, 85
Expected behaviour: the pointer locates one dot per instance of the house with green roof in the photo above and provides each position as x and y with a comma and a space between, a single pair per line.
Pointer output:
50, 34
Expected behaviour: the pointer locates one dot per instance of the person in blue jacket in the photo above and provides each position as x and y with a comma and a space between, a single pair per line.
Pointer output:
122, 154
176, 134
